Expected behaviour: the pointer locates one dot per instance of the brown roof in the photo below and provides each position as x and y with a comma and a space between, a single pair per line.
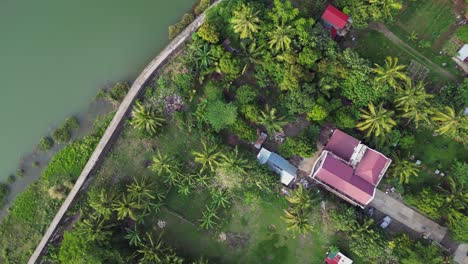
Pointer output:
371, 166
342, 144
339, 175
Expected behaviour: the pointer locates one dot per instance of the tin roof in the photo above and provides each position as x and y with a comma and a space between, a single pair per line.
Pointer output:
278, 164
335, 17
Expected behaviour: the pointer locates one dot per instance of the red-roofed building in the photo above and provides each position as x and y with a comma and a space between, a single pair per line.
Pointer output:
337, 258
350, 169
336, 21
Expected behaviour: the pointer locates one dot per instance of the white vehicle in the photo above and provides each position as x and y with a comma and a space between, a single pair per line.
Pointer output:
385, 222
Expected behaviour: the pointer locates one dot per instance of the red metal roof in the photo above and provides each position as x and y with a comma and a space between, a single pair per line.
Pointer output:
371, 166
335, 17
342, 144
339, 175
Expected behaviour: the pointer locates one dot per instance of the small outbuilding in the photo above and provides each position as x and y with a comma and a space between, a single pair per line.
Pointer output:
337, 258
278, 164
463, 54
336, 21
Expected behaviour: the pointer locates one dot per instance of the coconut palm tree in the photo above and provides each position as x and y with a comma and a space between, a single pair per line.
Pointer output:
449, 122
141, 190
456, 195
220, 198
208, 219
209, 157
301, 198
376, 121
271, 121
404, 169
412, 102
280, 38
133, 236
245, 21
145, 119
236, 162
252, 54
125, 207
152, 251
163, 164
297, 222
391, 72
95, 229
101, 201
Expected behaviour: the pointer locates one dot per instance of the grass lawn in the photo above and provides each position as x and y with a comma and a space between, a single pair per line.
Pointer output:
375, 47
256, 233
431, 20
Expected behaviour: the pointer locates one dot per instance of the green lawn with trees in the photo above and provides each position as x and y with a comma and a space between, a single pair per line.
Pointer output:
182, 184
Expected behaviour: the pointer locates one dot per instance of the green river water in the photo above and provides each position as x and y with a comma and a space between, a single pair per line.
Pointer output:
56, 54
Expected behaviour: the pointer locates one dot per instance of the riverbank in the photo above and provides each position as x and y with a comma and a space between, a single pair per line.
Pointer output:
33, 163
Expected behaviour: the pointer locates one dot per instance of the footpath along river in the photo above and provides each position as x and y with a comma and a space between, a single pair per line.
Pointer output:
56, 54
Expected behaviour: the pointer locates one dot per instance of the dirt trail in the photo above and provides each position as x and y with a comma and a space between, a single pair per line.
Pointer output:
392, 37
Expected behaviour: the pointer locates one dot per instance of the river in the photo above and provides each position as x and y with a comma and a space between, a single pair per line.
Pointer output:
56, 54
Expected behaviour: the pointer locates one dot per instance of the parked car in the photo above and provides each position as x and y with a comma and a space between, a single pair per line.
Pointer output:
385, 222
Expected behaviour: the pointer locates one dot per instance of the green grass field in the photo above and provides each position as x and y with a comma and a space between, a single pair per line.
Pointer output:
431, 20
375, 47
256, 233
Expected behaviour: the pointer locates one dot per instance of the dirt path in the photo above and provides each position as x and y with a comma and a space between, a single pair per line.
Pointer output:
378, 26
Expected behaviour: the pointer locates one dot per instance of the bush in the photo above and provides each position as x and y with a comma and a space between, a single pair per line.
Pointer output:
297, 146
230, 66
61, 135
202, 6
462, 33
246, 94
185, 82
46, 143
346, 118
11, 179
4, 191
71, 123
213, 91
317, 113
20, 173
175, 29
220, 115
407, 142
208, 33
118, 91
244, 131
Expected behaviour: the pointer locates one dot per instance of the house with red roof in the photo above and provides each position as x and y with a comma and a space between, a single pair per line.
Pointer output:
337, 258
350, 169
336, 21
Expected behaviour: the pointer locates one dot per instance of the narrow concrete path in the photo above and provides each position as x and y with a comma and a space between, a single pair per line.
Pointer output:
420, 224
113, 130
407, 216
380, 27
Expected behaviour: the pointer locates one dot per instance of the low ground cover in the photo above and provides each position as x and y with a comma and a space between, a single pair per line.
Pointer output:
427, 26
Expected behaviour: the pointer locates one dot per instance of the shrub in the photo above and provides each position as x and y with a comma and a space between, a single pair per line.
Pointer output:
230, 66
297, 146
4, 191
220, 115
251, 112
175, 29
317, 113
462, 33
208, 33
407, 142
11, 179
20, 173
69, 161
346, 118
244, 131
61, 135
46, 143
213, 91
246, 94
184, 81
202, 6
118, 91
71, 123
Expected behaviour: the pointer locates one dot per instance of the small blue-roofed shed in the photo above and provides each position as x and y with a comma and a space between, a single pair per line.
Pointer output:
278, 164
